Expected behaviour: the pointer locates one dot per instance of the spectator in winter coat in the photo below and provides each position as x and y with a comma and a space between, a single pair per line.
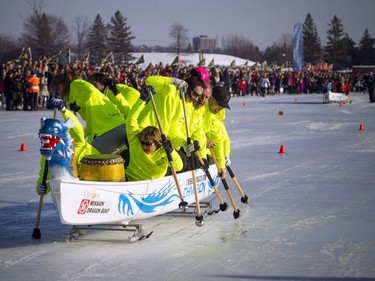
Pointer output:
33, 91
10, 89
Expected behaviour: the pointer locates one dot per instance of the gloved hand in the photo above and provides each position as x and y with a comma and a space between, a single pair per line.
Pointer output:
196, 146
180, 84
57, 103
74, 107
227, 160
111, 84
146, 92
41, 189
189, 148
205, 166
167, 146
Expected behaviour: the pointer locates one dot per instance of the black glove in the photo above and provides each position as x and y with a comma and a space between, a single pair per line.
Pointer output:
146, 92
196, 146
74, 107
167, 146
205, 166
111, 84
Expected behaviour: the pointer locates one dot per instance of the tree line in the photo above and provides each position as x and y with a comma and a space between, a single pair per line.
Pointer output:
46, 35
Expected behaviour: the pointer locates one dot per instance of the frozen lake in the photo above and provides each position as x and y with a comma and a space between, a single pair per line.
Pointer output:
311, 214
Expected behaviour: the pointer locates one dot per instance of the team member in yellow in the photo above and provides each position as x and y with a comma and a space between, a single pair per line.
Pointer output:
148, 155
120, 95
214, 127
81, 146
104, 122
169, 104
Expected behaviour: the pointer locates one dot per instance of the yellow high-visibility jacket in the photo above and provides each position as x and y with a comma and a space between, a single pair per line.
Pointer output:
171, 114
125, 99
145, 166
215, 130
99, 113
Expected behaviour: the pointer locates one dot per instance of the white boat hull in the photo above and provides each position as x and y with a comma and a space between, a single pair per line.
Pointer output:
332, 97
92, 202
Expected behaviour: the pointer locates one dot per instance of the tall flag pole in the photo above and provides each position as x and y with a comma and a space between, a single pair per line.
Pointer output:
298, 47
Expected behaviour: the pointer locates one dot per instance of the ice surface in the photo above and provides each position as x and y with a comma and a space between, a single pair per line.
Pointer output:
311, 214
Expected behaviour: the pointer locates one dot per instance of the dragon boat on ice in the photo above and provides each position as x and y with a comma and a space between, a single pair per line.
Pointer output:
106, 201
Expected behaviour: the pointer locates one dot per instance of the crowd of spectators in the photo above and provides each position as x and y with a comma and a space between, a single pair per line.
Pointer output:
240, 81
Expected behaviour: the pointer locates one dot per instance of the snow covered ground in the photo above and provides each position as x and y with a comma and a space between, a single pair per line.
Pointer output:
311, 215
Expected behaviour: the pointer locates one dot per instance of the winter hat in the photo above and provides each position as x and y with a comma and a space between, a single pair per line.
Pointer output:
221, 96
203, 73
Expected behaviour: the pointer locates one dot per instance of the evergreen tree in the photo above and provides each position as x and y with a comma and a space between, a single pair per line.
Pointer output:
311, 42
336, 48
120, 36
97, 40
45, 34
367, 51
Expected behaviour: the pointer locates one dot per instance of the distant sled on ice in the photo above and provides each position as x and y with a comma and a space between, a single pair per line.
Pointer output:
332, 97
98, 202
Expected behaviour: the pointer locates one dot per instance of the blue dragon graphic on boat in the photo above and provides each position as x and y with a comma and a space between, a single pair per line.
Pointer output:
149, 203
153, 200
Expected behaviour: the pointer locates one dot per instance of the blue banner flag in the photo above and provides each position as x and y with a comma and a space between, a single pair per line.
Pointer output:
298, 47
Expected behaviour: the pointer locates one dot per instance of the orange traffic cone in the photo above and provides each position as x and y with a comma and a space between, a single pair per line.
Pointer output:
23, 147
361, 127
282, 149
244, 103
281, 113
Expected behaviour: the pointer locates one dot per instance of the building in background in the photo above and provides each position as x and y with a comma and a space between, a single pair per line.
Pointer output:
204, 44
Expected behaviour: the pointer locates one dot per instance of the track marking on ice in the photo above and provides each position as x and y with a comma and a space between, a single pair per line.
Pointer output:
347, 256
323, 126
269, 188
24, 258
16, 177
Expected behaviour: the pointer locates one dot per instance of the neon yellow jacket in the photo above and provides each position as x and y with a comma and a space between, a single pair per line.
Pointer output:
171, 113
125, 99
99, 113
129, 93
215, 130
145, 166
81, 146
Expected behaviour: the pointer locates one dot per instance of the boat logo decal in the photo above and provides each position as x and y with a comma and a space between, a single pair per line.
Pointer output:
147, 204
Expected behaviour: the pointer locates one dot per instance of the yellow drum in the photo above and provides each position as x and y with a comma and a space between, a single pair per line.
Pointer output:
102, 167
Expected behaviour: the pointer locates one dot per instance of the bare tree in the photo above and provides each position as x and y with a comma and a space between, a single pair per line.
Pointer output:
81, 28
179, 33
239, 46
281, 51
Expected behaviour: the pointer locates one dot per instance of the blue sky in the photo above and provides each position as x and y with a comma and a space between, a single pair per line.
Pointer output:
261, 21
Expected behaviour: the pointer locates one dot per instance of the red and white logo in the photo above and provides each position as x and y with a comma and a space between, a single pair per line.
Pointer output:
85, 203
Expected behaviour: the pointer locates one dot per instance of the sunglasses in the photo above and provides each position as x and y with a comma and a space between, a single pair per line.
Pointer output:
195, 94
147, 143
